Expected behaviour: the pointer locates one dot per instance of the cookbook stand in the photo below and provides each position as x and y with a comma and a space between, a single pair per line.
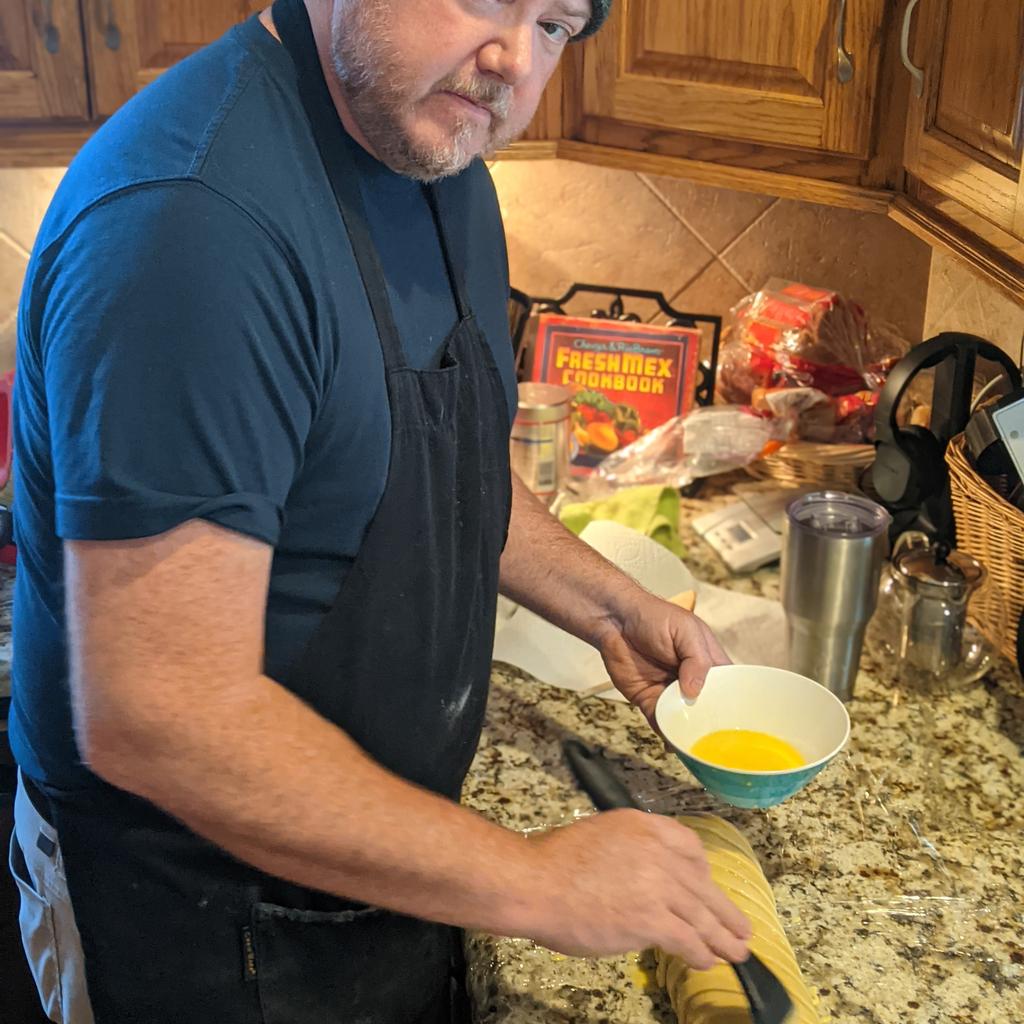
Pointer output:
707, 368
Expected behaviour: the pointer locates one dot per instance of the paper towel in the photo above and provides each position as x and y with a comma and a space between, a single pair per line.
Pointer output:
751, 629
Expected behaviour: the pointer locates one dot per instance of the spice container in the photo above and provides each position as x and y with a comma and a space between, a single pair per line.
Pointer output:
539, 445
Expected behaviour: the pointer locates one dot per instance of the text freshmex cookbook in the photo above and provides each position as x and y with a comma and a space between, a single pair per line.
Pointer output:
626, 378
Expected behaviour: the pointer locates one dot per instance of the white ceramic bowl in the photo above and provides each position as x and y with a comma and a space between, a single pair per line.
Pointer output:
770, 700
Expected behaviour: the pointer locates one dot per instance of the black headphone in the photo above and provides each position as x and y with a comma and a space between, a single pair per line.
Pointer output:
910, 462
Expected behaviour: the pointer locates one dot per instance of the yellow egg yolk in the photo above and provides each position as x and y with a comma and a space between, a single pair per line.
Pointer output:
747, 751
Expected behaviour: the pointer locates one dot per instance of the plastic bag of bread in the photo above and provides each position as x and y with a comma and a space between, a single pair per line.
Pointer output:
790, 335
811, 412
815, 416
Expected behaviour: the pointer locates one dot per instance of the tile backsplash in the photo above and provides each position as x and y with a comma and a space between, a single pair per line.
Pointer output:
24, 196
705, 248
959, 299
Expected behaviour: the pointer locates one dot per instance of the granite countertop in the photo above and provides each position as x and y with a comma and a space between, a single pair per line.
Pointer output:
6, 603
901, 909
904, 905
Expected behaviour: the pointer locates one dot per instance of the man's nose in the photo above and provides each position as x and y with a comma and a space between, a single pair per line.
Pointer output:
509, 55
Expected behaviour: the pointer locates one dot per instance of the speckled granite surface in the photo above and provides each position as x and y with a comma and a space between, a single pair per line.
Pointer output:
903, 906
6, 603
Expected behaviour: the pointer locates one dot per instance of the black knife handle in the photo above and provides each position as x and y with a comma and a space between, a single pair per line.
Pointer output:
595, 777
770, 1003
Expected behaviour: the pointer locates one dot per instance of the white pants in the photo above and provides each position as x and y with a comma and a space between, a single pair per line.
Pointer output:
48, 930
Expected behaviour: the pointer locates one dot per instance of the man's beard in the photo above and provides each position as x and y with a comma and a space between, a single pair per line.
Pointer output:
372, 74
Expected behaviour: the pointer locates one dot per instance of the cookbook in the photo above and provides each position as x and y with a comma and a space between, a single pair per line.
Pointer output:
625, 378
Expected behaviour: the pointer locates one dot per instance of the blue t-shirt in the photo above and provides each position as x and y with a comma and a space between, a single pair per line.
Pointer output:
194, 341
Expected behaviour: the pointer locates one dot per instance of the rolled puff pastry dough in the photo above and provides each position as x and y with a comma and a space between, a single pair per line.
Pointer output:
716, 996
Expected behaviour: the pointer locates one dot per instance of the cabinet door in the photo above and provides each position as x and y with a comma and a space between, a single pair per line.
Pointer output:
130, 42
42, 68
966, 129
763, 71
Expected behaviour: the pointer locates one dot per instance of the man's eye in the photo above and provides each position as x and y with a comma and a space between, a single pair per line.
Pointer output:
559, 33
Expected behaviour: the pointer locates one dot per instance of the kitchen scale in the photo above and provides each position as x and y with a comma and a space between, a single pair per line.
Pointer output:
748, 533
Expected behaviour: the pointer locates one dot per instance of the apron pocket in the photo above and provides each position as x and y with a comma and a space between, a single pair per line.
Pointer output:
368, 966
38, 935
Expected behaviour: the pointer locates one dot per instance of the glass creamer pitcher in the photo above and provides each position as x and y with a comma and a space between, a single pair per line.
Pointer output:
923, 614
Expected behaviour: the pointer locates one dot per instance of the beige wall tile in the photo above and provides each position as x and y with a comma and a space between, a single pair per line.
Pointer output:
961, 300
25, 194
948, 280
717, 216
570, 222
867, 257
962, 314
715, 290
1004, 322
701, 246
8, 341
12, 271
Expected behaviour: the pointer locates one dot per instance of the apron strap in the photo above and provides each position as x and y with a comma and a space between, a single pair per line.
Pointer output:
292, 23
456, 277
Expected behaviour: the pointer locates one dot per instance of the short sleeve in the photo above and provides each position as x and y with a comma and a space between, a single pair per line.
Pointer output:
180, 363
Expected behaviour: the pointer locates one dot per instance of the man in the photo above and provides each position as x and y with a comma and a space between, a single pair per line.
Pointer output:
262, 500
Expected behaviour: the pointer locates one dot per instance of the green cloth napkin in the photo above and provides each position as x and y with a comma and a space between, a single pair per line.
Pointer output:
652, 509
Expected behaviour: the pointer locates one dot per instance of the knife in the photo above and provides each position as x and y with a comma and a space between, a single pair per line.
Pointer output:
769, 1001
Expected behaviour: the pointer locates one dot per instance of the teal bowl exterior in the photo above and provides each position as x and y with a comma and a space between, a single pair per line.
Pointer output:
750, 789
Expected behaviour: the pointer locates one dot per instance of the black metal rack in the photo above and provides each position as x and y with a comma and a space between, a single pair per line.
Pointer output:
525, 306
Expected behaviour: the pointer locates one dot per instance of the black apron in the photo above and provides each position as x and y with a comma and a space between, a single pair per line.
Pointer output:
176, 930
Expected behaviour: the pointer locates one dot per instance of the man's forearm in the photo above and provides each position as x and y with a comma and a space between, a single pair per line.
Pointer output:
266, 778
552, 572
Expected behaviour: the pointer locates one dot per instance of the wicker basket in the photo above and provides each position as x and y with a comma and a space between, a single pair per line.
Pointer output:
806, 464
991, 530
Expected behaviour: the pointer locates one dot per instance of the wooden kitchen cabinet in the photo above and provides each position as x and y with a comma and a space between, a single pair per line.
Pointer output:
965, 132
771, 87
128, 43
763, 71
751, 87
747, 94
42, 65
131, 42
67, 64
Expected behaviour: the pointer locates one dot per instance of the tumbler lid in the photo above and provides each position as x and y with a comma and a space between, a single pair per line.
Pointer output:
838, 514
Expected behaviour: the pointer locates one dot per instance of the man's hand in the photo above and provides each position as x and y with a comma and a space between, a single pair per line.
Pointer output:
653, 644
646, 643
624, 881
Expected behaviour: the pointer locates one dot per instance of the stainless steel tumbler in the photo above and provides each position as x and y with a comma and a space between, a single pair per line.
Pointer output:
832, 556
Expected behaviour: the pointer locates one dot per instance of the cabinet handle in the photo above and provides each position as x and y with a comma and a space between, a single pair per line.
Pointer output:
1018, 127
111, 33
916, 73
844, 63
42, 18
